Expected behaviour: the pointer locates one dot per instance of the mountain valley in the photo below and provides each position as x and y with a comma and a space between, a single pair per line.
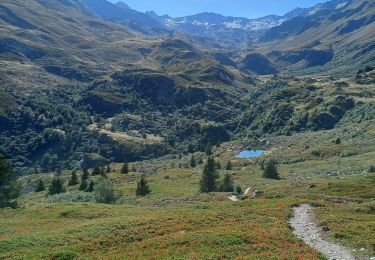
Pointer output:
142, 107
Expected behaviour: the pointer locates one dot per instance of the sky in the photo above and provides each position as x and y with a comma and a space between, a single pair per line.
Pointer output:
241, 8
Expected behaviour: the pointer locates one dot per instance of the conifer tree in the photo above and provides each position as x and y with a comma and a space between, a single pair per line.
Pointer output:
208, 149
84, 178
56, 187
41, 186
103, 172
90, 187
193, 163
227, 185
108, 169
217, 165
125, 168
270, 170
97, 171
83, 185
209, 176
142, 187
9, 190
239, 189
73, 179
228, 166
85, 174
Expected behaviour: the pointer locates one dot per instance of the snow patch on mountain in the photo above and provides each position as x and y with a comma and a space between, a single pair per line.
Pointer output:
172, 23
233, 25
339, 6
202, 24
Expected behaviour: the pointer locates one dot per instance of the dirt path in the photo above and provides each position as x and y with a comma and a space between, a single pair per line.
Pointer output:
305, 227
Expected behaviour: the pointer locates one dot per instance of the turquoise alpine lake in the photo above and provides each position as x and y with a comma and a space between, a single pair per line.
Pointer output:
250, 154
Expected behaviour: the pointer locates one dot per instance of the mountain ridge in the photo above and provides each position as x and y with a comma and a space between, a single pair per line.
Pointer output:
218, 27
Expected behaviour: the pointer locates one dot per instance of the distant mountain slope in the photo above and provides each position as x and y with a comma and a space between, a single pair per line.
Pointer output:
64, 71
231, 32
120, 13
338, 40
64, 39
237, 32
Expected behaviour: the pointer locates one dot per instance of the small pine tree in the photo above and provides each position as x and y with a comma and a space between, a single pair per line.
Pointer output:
90, 187
125, 168
338, 140
9, 190
133, 169
84, 178
200, 161
239, 189
193, 163
103, 172
5, 171
228, 166
83, 185
108, 169
227, 185
85, 174
97, 171
56, 187
40, 187
208, 149
270, 170
209, 176
73, 179
262, 165
142, 187
217, 165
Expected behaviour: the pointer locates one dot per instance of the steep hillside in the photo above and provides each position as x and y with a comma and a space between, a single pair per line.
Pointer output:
75, 87
121, 13
322, 39
78, 89
329, 41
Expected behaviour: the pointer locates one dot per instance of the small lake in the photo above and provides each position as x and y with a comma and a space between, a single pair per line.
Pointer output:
249, 154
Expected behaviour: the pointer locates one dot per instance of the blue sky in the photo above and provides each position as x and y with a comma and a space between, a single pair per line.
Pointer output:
243, 8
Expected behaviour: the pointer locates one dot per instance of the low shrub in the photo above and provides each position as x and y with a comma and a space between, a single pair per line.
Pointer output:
316, 153
348, 153
69, 197
105, 193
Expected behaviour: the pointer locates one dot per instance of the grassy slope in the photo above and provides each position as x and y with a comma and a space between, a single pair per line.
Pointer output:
351, 50
202, 230
175, 220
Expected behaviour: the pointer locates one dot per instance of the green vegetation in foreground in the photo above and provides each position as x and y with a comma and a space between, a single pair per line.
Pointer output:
201, 226
175, 219
255, 229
